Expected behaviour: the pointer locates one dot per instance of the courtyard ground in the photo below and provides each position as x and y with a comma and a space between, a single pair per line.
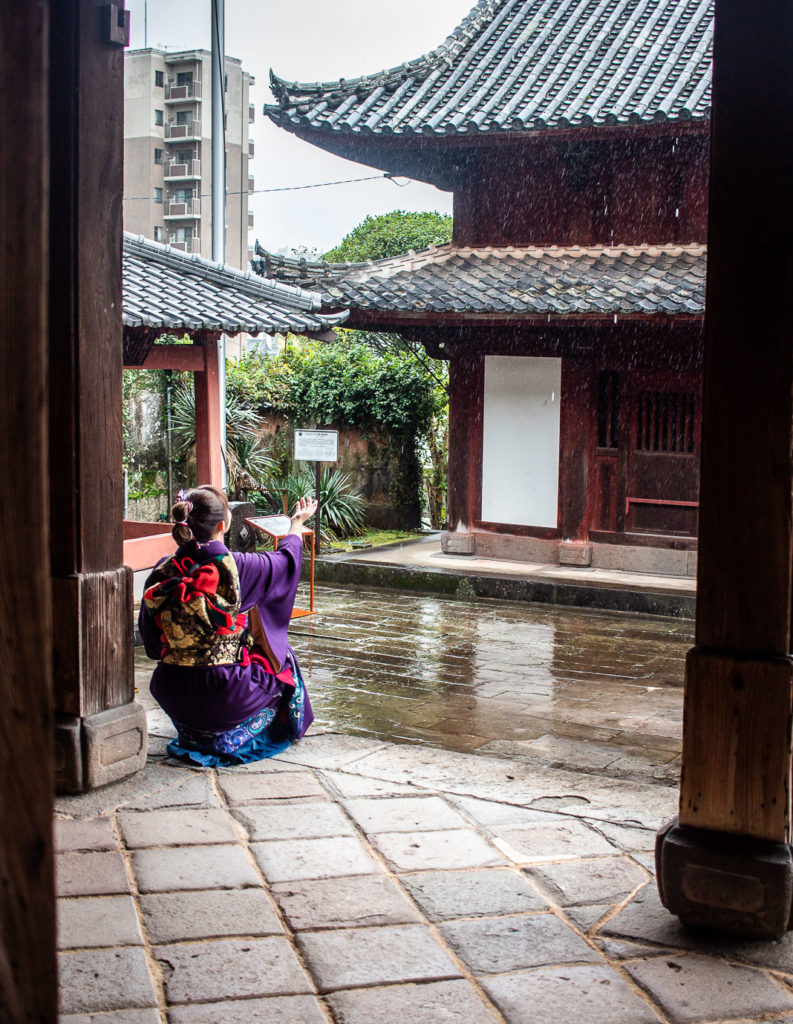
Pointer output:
494, 864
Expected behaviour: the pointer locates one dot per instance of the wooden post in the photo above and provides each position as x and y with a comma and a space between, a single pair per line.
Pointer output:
575, 445
100, 731
28, 990
466, 399
728, 863
209, 453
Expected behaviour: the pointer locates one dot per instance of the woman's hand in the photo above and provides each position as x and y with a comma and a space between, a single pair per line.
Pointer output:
304, 509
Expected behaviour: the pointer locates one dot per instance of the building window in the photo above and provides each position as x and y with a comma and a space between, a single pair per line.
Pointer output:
608, 409
184, 77
158, 234
157, 195
184, 116
665, 421
184, 156
158, 156
158, 118
159, 81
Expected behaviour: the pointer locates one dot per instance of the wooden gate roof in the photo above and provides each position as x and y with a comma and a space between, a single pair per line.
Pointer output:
572, 281
523, 66
167, 289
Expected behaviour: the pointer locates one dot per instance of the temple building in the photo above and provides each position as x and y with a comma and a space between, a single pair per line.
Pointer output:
570, 302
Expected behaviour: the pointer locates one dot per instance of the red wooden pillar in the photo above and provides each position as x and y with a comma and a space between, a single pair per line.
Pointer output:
466, 398
728, 863
209, 452
27, 899
100, 731
574, 445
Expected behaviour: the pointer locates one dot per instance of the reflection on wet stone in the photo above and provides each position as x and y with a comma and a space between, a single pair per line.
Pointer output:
594, 691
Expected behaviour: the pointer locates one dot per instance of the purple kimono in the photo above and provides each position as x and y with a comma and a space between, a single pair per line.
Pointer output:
245, 709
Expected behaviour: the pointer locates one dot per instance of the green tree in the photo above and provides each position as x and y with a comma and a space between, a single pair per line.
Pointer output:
391, 234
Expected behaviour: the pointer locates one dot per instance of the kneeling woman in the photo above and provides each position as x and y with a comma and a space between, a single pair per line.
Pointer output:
231, 702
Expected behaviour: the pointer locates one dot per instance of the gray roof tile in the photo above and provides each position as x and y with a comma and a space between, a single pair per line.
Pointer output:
567, 281
167, 289
523, 65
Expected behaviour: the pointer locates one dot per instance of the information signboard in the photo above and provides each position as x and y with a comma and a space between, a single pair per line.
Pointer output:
317, 445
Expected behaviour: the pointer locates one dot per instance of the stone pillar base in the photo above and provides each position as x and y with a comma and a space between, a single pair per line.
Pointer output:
575, 552
728, 882
99, 749
458, 543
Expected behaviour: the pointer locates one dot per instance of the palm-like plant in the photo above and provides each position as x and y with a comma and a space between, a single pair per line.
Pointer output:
343, 508
247, 462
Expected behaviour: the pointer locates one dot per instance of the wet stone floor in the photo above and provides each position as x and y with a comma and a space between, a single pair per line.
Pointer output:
597, 692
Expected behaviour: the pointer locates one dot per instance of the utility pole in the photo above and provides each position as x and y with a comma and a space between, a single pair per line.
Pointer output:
219, 185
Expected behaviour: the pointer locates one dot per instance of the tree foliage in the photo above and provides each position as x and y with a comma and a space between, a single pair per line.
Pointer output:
391, 234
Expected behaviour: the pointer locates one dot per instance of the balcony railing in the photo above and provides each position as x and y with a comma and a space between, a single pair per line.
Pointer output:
250, 147
183, 208
183, 169
250, 219
251, 113
185, 244
188, 130
250, 184
188, 91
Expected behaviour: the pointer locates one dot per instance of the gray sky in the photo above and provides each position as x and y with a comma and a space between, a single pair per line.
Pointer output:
310, 40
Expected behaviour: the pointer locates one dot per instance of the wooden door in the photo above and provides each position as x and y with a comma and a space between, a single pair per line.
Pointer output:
662, 457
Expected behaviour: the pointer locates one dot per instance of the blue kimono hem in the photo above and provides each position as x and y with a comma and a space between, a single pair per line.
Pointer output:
257, 749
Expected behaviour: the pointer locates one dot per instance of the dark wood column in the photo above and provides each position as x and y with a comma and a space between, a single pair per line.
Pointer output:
466, 399
728, 863
27, 898
575, 445
100, 731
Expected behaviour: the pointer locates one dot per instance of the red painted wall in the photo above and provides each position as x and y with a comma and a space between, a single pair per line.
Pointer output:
630, 190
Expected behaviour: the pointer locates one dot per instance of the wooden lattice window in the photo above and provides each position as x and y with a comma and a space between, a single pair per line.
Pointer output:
608, 409
665, 421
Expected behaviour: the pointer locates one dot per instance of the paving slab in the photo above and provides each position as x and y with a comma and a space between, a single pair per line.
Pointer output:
128, 1016
692, 988
172, 869
193, 789
343, 903
257, 787
73, 836
192, 826
512, 943
595, 995
94, 921
211, 914
330, 750
90, 874
152, 778
230, 969
374, 956
404, 814
448, 849
286, 1009
283, 820
291, 860
587, 917
581, 882
445, 895
352, 786
487, 813
438, 1002
543, 841
104, 979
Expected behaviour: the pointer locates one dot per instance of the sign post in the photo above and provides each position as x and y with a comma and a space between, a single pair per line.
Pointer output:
317, 446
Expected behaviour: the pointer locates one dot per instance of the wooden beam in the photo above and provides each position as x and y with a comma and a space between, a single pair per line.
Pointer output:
28, 985
173, 357
209, 457
736, 753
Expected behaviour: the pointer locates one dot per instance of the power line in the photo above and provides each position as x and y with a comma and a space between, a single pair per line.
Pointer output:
286, 188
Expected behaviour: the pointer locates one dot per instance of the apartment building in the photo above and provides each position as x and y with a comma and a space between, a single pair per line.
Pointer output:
168, 151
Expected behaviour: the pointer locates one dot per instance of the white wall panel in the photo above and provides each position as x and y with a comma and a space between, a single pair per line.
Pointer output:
520, 445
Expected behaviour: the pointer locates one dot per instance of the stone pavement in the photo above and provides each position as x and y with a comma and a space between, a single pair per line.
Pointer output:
355, 881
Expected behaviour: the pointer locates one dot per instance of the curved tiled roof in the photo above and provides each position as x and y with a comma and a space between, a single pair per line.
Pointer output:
527, 65
567, 281
168, 289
